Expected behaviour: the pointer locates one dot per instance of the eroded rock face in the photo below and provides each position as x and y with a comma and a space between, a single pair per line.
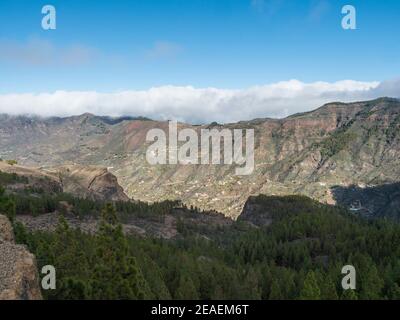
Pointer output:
84, 181
19, 278
6, 231
92, 182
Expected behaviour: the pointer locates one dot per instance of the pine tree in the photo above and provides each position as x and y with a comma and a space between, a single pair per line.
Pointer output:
276, 293
74, 289
329, 290
349, 295
371, 284
7, 205
117, 275
186, 289
310, 290
251, 287
394, 292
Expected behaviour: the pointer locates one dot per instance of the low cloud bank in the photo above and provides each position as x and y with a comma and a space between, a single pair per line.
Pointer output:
196, 105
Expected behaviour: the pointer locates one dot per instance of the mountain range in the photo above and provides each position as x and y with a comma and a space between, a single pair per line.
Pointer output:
345, 153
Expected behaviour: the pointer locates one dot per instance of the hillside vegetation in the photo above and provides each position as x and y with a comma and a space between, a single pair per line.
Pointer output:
297, 254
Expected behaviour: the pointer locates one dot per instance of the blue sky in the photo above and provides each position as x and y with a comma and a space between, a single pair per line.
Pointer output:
110, 46
219, 43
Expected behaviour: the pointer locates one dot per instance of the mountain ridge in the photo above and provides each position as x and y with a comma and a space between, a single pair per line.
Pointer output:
117, 119
338, 144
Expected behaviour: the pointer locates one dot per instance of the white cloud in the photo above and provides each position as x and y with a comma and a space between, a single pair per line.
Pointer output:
39, 52
199, 105
164, 49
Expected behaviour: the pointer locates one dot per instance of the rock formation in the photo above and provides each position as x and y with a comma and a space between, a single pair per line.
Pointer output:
19, 278
93, 182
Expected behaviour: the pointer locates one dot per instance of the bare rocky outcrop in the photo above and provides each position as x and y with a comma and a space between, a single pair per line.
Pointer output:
84, 181
19, 278
93, 182
6, 231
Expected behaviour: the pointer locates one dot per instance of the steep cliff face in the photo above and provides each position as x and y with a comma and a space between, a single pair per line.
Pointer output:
310, 153
91, 182
19, 278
